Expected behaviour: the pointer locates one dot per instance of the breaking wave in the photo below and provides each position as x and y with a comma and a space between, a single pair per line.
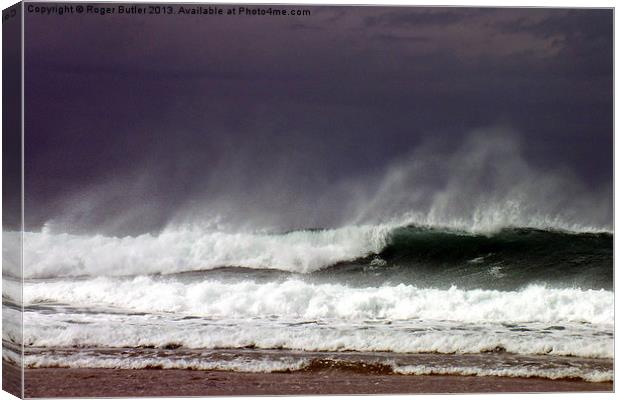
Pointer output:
48, 255
294, 299
316, 365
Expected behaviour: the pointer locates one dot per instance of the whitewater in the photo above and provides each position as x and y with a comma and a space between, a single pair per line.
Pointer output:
187, 248
283, 301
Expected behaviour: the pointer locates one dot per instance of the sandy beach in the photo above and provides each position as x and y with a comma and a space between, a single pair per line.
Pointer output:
11, 378
77, 382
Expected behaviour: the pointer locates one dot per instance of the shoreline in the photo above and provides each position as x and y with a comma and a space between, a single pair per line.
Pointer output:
94, 382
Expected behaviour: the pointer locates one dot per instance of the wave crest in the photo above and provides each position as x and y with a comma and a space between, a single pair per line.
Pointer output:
181, 250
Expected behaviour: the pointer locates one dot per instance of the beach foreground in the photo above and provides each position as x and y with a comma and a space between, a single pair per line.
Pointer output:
86, 382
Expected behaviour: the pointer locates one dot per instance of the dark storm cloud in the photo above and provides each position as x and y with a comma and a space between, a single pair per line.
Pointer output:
130, 119
417, 18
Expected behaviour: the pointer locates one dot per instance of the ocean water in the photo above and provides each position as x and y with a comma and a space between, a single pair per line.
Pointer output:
377, 298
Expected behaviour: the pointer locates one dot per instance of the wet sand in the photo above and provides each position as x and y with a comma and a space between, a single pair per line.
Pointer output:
69, 382
11, 379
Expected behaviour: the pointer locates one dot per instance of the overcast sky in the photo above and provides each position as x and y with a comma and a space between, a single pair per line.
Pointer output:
133, 118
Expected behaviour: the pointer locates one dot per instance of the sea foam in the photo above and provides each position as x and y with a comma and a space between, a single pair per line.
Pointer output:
296, 364
295, 298
53, 255
174, 250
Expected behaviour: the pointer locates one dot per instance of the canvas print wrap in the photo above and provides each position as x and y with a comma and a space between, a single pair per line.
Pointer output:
229, 199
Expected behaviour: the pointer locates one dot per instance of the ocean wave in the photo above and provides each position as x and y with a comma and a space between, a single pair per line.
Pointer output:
180, 250
294, 299
309, 363
81, 361
513, 372
419, 338
53, 255
170, 312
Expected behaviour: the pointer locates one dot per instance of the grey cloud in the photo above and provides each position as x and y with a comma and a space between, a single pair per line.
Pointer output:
160, 117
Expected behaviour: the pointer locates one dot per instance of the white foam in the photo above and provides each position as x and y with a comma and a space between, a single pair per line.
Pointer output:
515, 372
11, 325
85, 361
177, 250
295, 298
49, 331
299, 315
180, 249
245, 364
